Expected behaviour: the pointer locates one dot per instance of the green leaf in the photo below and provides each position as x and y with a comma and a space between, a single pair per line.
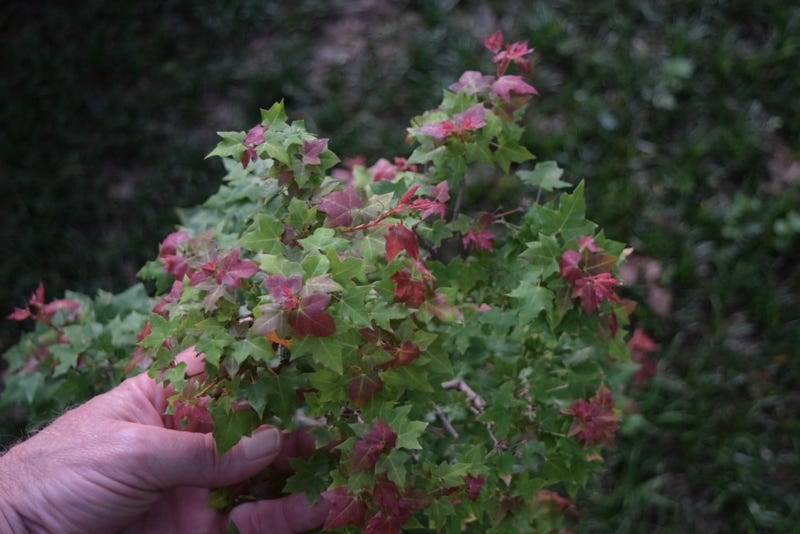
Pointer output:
311, 476
231, 426
533, 300
231, 145
326, 351
255, 347
566, 219
323, 240
264, 235
546, 175
508, 153
299, 213
394, 466
439, 512
273, 115
281, 397
272, 264
351, 307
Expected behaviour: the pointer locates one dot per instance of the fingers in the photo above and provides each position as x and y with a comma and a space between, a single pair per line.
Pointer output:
288, 515
176, 458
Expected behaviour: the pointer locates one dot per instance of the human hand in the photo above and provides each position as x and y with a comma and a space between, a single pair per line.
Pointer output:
113, 465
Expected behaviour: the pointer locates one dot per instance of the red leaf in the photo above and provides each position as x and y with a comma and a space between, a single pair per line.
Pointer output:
338, 206
37, 298
232, 269
494, 42
472, 82
593, 290
387, 496
255, 136
481, 240
282, 290
312, 149
362, 388
381, 436
399, 238
19, 314
366, 451
411, 292
386, 524
345, 509
474, 485
310, 318
569, 266
594, 422
382, 170
505, 85
438, 307
402, 355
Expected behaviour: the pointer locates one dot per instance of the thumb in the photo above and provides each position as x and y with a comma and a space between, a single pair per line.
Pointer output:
191, 459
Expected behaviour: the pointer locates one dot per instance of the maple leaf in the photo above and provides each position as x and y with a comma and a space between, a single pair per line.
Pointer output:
472, 83
39, 311
505, 85
440, 192
438, 307
402, 355
174, 295
471, 118
639, 344
382, 170
362, 388
337, 207
557, 504
312, 149
346, 509
386, 494
310, 318
411, 292
382, 523
569, 268
366, 451
514, 52
399, 238
428, 207
494, 42
228, 272
594, 421
283, 290
174, 263
478, 240
587, 243
254, 138
474, 485
593, 290
439, 130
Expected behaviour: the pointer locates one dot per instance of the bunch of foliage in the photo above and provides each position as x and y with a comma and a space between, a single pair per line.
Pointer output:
454, 370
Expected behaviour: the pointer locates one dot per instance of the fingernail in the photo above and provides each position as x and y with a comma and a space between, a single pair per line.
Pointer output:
264, 441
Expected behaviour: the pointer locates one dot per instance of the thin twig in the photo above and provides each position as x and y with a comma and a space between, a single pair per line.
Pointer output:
477, 402
446, 422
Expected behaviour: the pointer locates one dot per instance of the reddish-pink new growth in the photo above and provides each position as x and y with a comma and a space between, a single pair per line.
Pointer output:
640, 344
254, 138
39, 311
594, 422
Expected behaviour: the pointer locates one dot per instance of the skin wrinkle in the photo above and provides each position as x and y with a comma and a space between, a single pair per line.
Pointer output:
102, 468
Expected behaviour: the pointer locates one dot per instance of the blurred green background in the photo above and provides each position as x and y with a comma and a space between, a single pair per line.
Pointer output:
682, 117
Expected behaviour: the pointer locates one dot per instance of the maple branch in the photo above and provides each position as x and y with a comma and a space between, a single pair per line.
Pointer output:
445, 422
210, 386
477, 402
